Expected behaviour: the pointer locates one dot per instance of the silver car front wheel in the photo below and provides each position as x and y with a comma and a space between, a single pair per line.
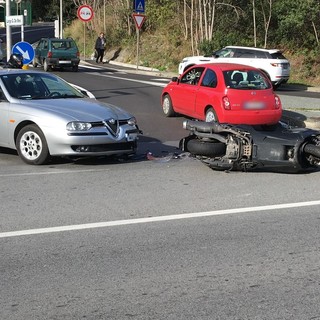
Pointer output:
32, 146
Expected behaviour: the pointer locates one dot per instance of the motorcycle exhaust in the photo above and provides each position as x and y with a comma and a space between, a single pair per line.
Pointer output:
205, 127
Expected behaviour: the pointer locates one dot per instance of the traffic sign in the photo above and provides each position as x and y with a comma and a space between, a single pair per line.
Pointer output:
138, 6
14, 20
25, 49
138, 19
85, 13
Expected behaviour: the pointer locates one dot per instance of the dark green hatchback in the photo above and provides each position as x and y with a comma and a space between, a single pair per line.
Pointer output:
56, 53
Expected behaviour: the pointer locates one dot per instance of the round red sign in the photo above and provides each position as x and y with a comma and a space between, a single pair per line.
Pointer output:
85, 13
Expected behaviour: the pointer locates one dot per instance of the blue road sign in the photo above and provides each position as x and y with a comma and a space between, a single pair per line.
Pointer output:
139, 6
24, 48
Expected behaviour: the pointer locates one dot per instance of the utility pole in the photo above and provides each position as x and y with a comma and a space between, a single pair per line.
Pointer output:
61, 25
8, 30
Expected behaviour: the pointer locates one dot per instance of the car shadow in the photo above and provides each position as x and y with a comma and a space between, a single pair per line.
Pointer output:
293, 87
293, 119
8, 151
149, 149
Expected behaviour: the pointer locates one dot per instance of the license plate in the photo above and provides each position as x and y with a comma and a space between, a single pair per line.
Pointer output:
64, 61
131, 136
254, 105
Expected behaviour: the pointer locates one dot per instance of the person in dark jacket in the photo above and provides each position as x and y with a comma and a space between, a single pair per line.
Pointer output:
100, 46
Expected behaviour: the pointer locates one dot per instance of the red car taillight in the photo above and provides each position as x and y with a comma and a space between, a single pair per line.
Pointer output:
226, 103
78, 54
277, 102
49, 55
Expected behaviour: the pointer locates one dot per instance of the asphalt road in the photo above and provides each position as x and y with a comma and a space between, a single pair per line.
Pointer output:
163, 239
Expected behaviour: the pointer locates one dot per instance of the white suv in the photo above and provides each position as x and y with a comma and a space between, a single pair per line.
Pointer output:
272, 62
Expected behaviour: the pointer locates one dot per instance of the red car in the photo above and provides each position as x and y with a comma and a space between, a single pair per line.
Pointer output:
223, 92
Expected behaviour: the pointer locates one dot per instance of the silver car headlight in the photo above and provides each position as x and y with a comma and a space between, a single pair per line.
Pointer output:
78, 126
132, 121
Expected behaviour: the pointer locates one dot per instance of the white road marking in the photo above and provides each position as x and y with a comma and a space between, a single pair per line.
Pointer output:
89, 67
101, 68
156, 84
3, 175
157, 219
161, 79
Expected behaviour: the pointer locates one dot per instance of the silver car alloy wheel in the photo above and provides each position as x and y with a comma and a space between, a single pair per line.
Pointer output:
31, 145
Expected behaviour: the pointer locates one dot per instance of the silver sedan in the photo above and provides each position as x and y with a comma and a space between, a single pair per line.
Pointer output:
41, 115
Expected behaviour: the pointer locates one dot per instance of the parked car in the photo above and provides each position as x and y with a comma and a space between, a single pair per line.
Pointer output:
223, 92
41, 116
56, 53
271, 61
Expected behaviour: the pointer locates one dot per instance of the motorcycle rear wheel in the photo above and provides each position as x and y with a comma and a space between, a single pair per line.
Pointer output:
206, 148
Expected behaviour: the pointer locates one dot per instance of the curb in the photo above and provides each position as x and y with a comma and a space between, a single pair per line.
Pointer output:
135, 69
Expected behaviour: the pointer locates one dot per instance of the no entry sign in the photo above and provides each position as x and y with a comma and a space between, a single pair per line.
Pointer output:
85, 13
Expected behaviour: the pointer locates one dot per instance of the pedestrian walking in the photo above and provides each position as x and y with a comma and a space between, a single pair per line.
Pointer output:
100, 47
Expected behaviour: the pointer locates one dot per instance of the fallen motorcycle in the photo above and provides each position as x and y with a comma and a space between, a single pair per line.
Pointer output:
244, 147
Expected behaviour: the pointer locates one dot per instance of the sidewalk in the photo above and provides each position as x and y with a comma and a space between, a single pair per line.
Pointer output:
297, 111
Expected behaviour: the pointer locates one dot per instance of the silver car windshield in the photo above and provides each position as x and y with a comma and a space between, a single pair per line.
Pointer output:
30, 86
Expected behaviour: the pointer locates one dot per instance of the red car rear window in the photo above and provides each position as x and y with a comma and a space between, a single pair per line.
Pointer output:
246, 80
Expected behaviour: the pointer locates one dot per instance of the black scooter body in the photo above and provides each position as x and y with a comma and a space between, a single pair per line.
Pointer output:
247, 147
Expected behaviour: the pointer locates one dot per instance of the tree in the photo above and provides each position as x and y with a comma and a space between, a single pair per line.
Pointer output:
266, 9
50, 10
254, 23
296, 22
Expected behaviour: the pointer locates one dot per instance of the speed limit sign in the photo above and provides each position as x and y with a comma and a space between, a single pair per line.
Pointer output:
85, 13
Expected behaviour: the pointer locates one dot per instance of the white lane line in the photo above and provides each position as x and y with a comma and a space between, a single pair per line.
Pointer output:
3, 175
156, 84
161, 79
89, 67
115, 71
157, 219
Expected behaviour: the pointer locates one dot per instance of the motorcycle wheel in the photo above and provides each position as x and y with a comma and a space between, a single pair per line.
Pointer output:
206, 148
312, 149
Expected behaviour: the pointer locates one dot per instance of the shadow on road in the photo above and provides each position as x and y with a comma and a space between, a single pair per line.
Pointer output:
149, 149
293, 119
293, 87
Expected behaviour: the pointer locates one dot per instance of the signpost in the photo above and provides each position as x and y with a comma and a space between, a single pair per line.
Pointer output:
17, 20
14, 20
85, 13
138, 17
138, 6
25, 49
